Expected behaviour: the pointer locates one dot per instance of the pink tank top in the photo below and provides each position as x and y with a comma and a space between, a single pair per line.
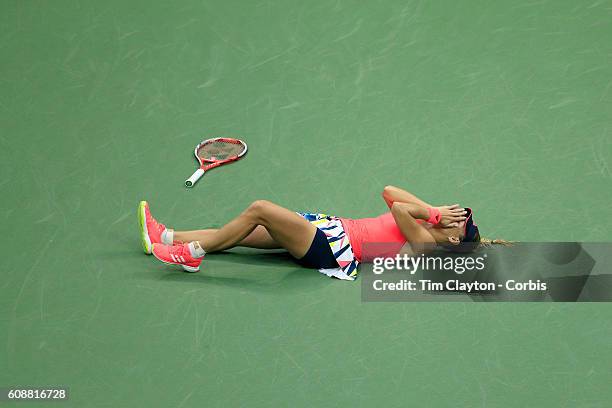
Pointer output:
379, 229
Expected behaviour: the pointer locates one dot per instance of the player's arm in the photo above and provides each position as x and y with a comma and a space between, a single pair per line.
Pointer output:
405, 215
393, 194
450, 215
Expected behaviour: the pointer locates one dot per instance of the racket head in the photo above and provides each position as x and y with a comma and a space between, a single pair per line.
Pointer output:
220, 150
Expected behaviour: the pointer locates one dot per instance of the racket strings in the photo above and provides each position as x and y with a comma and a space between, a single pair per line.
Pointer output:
220, 150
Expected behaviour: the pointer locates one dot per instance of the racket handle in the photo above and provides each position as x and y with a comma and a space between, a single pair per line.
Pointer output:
194, 178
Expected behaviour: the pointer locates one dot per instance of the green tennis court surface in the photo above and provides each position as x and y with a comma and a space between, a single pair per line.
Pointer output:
503, 107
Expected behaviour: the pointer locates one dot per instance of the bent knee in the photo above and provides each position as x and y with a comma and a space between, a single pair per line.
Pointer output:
258, 208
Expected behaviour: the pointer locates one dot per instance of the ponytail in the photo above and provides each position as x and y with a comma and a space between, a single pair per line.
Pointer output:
487, 242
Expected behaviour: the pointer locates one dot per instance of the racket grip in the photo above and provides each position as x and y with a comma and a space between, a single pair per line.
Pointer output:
194, 178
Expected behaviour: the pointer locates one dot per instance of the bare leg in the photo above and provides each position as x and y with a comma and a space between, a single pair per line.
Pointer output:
260, 238
287, 228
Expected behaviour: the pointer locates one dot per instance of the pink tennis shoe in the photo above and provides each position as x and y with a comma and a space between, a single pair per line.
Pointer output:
150, 229
177, 255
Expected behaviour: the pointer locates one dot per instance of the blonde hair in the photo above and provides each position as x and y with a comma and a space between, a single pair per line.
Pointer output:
487, 242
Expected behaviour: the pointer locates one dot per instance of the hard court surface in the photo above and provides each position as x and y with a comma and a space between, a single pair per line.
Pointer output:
502, 106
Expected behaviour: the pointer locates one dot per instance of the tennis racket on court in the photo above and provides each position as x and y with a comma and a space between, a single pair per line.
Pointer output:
216, 152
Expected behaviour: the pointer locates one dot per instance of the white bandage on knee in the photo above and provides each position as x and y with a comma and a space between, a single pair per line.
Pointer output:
167, 236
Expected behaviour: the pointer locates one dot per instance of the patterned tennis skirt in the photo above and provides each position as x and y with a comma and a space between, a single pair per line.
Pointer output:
339, 243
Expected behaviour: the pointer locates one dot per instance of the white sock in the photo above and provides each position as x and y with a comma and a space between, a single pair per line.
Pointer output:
196, 250
167, 236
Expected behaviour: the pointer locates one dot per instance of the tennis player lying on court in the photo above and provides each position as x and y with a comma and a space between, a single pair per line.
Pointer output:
328, 243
